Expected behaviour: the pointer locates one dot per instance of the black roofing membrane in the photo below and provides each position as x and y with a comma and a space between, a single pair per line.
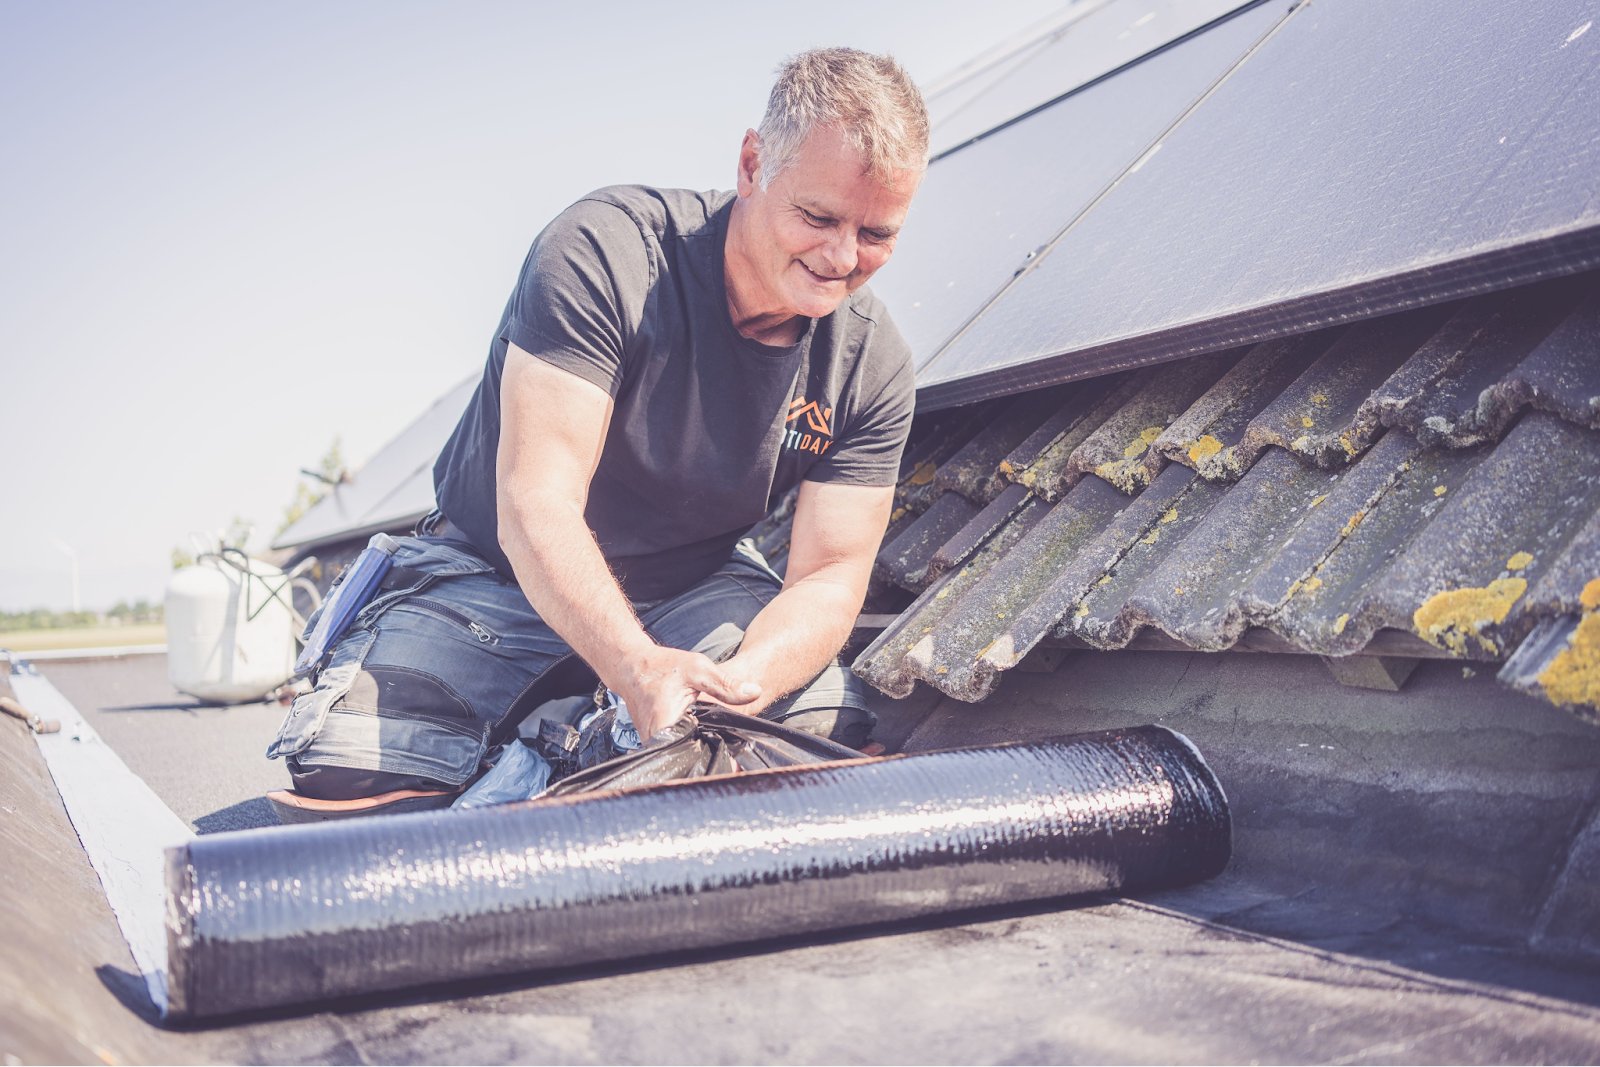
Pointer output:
305, 913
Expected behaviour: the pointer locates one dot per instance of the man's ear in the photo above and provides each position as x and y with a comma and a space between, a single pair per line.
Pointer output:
749, 164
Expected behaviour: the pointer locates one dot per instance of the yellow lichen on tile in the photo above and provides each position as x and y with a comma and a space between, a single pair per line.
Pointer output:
1317, 500
1170, 515
1573, 677
1439, 490
1300, 444
1137, 446
1319, 398
1313, 584
941, 594
1590, 597
1449, 618
1104, 580
1348, 445
1355, 520
1340, 622
1305, 420
924, 473
1179, 590
942, 670
1083, 609
1204, 449
1006, 469
1151, 537
899, 513
1519, 560
1029, 477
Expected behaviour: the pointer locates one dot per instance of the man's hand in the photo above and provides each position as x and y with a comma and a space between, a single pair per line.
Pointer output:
664, 682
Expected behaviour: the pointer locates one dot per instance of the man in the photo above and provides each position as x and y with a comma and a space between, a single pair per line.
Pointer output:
670, 364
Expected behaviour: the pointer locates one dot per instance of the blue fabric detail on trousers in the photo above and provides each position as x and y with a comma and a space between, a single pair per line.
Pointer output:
427, 673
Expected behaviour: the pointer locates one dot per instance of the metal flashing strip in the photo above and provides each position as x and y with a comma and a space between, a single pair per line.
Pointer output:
100, 652
124, 826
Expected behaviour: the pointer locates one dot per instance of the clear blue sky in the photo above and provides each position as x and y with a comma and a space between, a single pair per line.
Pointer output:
232, 232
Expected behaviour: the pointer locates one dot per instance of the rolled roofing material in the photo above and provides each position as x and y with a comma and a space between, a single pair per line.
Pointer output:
306, 913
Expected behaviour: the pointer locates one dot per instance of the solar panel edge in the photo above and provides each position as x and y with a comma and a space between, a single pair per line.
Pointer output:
1569, 252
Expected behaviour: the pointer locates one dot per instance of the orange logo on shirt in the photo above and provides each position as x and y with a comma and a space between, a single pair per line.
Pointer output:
817, 419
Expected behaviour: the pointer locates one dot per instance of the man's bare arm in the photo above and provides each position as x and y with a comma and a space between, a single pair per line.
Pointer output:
837, 530
552, 429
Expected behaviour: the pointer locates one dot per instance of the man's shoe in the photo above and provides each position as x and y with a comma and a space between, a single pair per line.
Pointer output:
294, 807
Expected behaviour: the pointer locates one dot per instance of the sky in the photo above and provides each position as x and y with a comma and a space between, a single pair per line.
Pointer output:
230, 233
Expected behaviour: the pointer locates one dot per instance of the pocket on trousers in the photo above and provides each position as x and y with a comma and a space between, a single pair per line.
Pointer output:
401, 721
309, 712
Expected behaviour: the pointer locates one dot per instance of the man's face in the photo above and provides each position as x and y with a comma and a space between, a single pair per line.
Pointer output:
822, 227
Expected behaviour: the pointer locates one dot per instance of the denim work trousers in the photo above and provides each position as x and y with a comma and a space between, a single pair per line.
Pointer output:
429, 676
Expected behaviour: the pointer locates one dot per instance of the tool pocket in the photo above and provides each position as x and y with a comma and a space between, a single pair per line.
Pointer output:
309, 711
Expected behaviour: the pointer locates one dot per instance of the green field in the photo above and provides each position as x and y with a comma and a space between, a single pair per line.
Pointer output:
152, 633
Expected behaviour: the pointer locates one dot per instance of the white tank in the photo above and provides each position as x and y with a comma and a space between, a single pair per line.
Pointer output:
230, 629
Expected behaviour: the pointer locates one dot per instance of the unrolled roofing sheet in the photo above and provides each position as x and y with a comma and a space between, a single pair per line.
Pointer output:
983, 211
1087, 40
1368, 156
395, 486
1278, 490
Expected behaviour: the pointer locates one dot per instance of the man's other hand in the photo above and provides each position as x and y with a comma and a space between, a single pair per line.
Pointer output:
664, 682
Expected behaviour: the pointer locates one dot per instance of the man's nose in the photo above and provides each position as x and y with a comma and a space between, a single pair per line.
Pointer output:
840, 254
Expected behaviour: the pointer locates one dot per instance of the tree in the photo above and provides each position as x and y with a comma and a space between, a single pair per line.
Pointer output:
315, 484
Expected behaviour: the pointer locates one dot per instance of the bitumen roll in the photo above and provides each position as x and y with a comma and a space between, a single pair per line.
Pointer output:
305, 914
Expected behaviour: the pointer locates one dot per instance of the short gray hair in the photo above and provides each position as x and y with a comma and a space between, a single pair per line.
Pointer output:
871, 99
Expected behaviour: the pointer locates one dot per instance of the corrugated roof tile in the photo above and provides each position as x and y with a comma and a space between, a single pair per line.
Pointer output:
1469, 546
1116, 450
1315, 417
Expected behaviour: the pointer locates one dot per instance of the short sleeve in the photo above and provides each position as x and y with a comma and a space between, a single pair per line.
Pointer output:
580, 297
869, 451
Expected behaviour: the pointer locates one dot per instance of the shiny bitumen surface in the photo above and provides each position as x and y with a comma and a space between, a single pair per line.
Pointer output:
1372, 830
305, 913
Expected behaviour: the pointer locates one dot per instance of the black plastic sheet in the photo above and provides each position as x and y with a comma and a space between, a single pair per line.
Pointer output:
302, 914
707, 741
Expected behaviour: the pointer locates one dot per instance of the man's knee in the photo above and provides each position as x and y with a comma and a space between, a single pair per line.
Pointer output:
848, 726
834, 706
414, 691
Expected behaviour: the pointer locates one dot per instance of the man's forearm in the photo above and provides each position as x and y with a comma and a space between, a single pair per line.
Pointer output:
564, 576
796, 636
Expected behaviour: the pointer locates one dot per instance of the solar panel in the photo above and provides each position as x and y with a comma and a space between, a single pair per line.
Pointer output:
982, 210
1370, 156
1088, 41
394, 488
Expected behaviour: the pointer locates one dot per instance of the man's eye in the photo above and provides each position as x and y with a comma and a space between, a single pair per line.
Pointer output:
876, 237
815, 220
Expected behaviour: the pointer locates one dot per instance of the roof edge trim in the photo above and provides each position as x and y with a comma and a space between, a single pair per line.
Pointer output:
1486, 272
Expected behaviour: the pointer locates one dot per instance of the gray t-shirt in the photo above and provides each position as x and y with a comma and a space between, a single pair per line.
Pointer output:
625, 289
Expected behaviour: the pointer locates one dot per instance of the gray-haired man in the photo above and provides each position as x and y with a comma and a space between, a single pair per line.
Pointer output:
669, 364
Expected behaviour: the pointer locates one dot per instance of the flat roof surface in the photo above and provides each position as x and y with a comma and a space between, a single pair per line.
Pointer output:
1255, 965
